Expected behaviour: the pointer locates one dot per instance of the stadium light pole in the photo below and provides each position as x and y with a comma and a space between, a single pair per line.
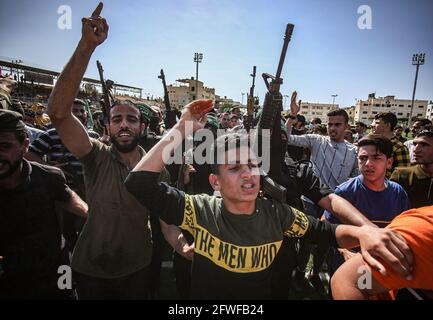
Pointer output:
198, 58
333, 99
417, 60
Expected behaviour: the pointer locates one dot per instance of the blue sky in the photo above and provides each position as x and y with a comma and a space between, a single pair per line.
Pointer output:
328, 53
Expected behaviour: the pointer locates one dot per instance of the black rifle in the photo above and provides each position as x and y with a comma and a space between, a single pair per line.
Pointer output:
250, 103
170, 115
107, 97
271, 120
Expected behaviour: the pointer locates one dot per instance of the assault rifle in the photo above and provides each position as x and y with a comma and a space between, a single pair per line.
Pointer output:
107, 97
170, 115
250, 103
271, 120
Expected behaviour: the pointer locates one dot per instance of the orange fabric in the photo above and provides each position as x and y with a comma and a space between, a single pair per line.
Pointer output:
416, 226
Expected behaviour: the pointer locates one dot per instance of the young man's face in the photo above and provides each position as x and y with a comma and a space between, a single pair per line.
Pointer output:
11, 153
373, 164
233, 122
380, 127
336, 127
224, 121
416, 127
360, 129
79, 111
237, 181
423, 150
125, 127
398, 132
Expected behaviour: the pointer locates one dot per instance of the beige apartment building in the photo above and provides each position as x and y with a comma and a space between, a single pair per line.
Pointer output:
187, 90
429, 113
365, 110
317, 110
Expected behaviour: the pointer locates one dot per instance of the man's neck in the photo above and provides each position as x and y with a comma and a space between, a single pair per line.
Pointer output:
12, 181
240, 208
377, 185
389, 135
428, 168
130, 159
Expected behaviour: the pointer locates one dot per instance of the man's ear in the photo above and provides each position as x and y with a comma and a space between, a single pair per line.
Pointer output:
389, 162
213, 180
25, 145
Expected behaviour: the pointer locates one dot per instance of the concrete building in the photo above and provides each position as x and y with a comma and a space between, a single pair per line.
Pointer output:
185, 91
365, 110
317, 110
429, 112
351, 113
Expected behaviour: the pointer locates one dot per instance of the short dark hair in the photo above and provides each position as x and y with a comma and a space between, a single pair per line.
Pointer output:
426, 132
387, 117
80, 102
301, 118
128, 103
339, 112
317, 120
226, 142
382, 143
398, 127
424, 121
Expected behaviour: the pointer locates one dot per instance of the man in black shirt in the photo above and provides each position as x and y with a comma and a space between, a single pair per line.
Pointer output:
30, 233
237, 237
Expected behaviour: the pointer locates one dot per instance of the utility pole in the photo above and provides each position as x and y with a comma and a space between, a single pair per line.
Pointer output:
417, 60
198, 57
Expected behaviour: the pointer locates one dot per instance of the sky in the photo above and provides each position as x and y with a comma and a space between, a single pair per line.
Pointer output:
328, 53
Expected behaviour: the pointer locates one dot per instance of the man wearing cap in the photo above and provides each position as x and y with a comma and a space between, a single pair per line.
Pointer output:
30, 235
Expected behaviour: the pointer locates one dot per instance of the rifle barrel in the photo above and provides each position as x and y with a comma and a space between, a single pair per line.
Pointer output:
287, 37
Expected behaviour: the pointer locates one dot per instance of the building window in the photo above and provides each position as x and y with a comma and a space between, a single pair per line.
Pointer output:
420, 106
374, 112
400, 113
400, 105
192, 89
364, 112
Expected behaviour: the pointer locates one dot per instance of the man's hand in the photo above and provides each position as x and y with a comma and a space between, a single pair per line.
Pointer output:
346, 254
187, 174
195, 112
294, 108
94, 30
184, 249
388, 246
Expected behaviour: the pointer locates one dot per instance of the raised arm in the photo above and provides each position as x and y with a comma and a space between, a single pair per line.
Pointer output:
194, 117
71, 131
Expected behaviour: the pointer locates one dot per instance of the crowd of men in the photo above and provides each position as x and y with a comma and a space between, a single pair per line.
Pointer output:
95, 192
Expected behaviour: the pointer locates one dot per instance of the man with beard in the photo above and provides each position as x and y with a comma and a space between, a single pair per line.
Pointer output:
113, 253
30, 235
417, 180
50, 145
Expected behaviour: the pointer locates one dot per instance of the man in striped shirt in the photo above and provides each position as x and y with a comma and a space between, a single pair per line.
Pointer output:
50, 145
334, 159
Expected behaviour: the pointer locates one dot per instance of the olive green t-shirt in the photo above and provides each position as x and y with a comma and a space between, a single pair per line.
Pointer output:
116, 239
